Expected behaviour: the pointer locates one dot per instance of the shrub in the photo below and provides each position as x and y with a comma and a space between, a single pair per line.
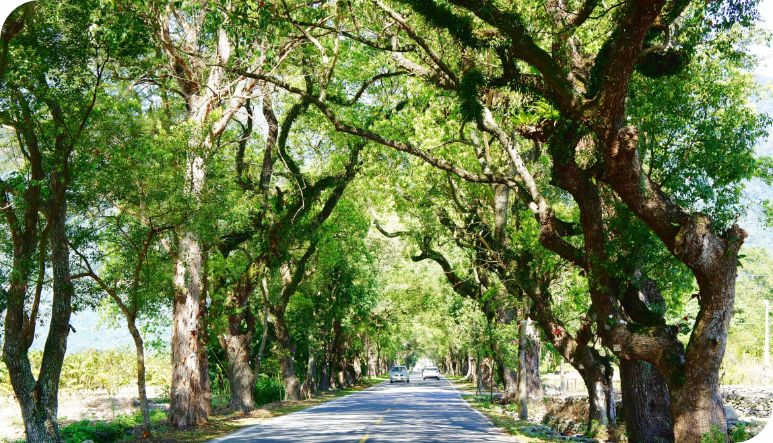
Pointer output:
99, 432
739, 433
267, 390
715, 435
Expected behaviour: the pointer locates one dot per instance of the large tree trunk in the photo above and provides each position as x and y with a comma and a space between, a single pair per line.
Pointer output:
351, 373
324, 371
522, 392
595, 370
487, 376
187, 401
311, 373
712, 256
646, 397
237, 344
601, 399
264, 335
695, 402
529, 386
38, 399
472, 370
190, 397
238, 351
645, 402
510, 379
357, 363
285, 354
373, 368
336, 368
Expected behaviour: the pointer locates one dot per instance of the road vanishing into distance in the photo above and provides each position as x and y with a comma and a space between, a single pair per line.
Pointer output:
420, 411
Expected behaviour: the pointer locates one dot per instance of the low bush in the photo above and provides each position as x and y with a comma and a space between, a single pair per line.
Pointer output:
738, 435
98, 432
104, 431
267, 390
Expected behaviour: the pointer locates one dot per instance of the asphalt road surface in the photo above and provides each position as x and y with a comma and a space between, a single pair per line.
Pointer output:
419, 411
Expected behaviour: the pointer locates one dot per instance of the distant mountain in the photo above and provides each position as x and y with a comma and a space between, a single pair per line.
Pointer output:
89, 333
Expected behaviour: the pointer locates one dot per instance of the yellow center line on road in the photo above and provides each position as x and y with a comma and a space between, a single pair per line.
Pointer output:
379, 420
364, 438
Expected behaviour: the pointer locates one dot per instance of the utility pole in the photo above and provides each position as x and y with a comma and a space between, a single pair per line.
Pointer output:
563, 380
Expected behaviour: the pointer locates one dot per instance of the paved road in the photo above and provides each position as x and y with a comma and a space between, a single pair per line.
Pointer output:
419, 411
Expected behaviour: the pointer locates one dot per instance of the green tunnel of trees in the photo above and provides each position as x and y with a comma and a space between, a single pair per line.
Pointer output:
317, 190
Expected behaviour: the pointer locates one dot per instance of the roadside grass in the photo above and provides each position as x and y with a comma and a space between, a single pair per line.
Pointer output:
496, 413
220, 424
464, 385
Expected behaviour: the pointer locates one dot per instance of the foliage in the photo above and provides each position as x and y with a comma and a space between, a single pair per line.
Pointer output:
404, 101
99, 432
716, 435
267, 390
93, 369
744, 355
107, 432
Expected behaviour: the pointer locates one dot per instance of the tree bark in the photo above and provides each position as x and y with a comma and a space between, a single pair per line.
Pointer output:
336, 370
645, 403
373, 366
324, 371
472, 371
206, 392
285, 351
187, 403
601, 398
534, 391
38, 399
510, 379
311, 373
522, 395
237, 343
646, 397
487, 377
264, 336
238, 350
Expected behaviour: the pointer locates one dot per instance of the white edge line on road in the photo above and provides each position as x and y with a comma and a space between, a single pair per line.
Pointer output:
485, 417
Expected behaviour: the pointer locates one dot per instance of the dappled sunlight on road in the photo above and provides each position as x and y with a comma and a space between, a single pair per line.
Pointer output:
420, 411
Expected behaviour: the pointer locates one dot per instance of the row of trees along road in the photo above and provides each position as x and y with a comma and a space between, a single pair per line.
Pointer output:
224, 161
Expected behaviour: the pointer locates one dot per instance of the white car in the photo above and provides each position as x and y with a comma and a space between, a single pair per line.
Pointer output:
429, 372
399, 373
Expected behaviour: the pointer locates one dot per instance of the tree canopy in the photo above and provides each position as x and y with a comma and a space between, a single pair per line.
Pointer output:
322, 189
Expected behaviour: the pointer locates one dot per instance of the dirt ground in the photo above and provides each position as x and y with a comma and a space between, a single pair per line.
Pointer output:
74, 406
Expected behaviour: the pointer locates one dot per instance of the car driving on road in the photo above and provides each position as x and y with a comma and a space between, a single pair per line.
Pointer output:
429, 372
399, 373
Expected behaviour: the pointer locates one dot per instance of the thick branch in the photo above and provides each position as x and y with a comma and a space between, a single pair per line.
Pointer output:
462, 286
364, 133
524, 47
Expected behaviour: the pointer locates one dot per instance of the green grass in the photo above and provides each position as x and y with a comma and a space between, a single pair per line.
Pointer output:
496, 414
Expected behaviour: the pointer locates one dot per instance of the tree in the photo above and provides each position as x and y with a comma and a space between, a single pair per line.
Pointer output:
52, 78
585, 91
